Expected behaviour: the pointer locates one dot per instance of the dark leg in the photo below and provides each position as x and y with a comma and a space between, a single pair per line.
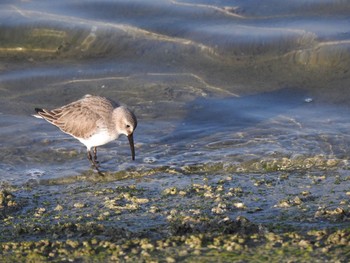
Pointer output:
93, 162
90, 157
95, 155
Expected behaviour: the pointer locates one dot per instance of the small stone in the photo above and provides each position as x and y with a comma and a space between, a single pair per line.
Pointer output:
40, 211
304, 243
153, 209
239, 205
79, 205
297, 200
283, 204
58, 208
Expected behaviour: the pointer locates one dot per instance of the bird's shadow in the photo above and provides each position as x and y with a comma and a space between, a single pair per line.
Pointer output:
205, 116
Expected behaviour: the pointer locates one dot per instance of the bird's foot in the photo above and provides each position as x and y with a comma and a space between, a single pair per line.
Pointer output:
97, 168
94, 163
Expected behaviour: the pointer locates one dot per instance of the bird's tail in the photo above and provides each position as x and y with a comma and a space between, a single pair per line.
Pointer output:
37, 111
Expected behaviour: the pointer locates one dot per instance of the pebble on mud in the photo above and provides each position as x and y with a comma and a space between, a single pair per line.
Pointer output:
79, 205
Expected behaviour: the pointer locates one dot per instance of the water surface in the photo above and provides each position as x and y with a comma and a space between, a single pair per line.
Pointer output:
223, 88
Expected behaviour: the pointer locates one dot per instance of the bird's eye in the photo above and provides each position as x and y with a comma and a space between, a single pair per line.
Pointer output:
127, 126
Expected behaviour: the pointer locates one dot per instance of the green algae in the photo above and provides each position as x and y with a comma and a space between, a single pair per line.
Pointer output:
153, 216
269, 165
206, 247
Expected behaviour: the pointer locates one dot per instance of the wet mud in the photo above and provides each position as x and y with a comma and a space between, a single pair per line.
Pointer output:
280, 210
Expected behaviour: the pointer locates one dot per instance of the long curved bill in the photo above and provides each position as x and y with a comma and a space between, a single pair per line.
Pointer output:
131, 142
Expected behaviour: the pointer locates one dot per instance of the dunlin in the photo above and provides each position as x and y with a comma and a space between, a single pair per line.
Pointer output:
94, 121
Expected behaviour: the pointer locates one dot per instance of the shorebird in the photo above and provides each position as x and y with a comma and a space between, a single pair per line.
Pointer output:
94, 121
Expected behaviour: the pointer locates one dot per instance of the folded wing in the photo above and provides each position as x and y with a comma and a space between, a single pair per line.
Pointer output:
75, 119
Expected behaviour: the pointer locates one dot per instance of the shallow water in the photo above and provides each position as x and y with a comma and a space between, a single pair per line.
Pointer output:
219, 89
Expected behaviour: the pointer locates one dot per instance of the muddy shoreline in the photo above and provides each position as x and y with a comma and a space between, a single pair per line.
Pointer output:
242, 144
206, 213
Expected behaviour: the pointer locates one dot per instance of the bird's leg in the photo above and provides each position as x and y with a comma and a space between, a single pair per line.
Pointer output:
95, 155
94, 164
90, 157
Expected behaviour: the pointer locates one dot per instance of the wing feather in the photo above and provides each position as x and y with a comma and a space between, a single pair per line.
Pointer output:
81, 118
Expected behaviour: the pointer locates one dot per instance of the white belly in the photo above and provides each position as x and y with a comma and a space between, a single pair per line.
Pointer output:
98, 139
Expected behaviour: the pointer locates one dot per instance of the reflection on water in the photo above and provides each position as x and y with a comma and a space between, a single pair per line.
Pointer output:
207, 81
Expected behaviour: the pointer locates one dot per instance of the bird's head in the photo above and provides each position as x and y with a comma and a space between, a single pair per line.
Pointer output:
126, 124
